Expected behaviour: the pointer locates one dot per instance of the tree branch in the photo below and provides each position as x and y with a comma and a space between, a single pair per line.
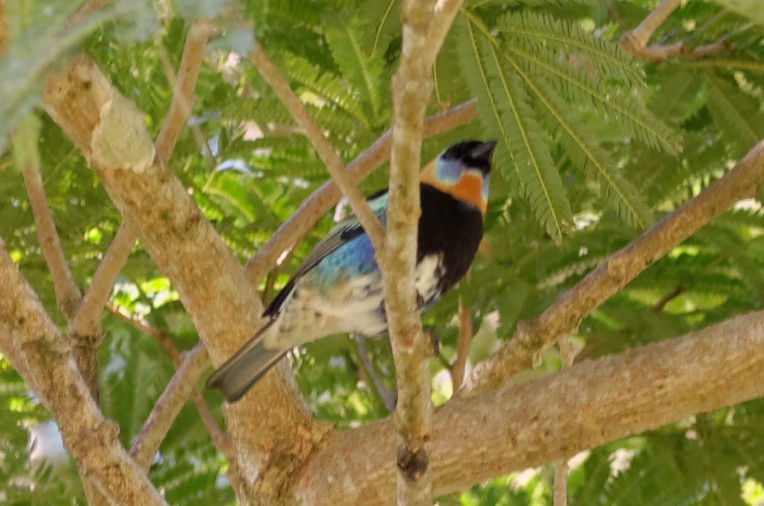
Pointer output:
412, 87
388, 397
463, 339
615, 272
560, 487
219, 438
325, 151
25, 143
169, 404
183, 87
85, 326
322, 200
545, 419
87, 320
635, 41
268, 427
27, 334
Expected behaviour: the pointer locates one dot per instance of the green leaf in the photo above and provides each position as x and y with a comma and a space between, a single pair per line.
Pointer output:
750, 9
503, 104
735, 113
570, 42
364, 72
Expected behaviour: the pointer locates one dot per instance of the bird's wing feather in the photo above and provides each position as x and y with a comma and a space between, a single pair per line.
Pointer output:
248, 365
344, 231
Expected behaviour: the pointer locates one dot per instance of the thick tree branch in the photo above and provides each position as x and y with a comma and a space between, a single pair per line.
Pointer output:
321, 144
270, 426
26, 333
169, 404
546, 419
85, 326
619, 269
322, 200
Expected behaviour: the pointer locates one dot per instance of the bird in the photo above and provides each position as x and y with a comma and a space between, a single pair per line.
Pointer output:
338, 287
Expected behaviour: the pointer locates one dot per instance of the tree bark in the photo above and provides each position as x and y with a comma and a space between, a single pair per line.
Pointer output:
550, 418
270, 426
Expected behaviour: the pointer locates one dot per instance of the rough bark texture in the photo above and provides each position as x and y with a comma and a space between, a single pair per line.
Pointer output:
546, 419
271, 425
32, 343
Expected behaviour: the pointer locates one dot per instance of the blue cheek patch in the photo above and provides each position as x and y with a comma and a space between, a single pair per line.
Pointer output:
448, 171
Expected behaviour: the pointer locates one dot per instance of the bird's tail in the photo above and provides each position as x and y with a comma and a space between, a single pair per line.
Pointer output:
249, 364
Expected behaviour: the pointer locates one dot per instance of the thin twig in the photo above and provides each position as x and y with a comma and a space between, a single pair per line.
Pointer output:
320, 143
164, 340
458, 368
567, 357
219, 438
168, 406
67, 293
88, 8
322, 200
5, 29
183, 87
87, 320
676, 292
387, 396
635, 41
615, 272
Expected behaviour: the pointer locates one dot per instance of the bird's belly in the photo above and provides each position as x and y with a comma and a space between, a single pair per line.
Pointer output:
351, 306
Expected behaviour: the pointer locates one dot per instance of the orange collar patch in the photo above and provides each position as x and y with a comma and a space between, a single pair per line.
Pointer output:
468, 188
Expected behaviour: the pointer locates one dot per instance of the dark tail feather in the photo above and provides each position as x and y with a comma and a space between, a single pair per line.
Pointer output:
249, 364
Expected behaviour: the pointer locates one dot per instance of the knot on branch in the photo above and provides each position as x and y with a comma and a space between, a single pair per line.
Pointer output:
412, 463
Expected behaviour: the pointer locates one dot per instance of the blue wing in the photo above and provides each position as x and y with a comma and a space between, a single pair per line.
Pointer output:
346, 250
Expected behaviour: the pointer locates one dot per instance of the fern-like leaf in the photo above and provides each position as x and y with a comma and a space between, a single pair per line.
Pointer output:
678, 98
569, 41
737, 115
586, 153
577, 85
504, 110
362, 71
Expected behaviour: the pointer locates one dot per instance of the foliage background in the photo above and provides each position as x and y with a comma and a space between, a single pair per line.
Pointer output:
594, 146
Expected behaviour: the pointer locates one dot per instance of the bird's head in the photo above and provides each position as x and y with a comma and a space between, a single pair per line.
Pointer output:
463, 171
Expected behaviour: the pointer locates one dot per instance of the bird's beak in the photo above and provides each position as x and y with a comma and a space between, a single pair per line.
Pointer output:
483, 151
